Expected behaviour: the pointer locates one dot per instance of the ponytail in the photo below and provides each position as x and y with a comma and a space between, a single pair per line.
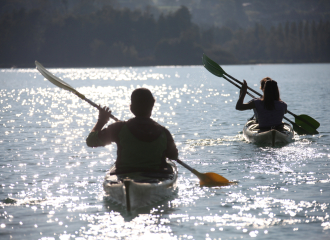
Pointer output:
271, 94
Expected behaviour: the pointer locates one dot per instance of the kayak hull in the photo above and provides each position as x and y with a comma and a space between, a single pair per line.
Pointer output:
135, 190
271, 137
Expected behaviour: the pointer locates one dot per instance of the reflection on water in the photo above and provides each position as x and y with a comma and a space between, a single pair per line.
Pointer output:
226, 140
51, 183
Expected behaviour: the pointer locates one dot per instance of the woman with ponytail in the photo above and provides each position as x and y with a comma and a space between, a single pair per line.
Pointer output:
269, 109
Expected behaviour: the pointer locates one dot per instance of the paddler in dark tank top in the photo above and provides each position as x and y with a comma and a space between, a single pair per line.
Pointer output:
269, 109
142, 144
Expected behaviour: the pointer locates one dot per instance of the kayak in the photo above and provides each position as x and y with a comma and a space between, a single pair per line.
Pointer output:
140, 189
252, 134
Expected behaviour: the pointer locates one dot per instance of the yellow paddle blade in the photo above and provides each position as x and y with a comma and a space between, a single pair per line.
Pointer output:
211, 179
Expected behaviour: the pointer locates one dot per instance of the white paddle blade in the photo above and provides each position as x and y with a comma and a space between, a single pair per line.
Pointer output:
60, 83
53, 79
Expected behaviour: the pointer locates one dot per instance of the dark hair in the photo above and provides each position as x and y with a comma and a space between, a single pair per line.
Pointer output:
142, 102
263, 82
271, 94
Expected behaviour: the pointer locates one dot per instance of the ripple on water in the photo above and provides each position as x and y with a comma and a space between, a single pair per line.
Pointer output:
51, 183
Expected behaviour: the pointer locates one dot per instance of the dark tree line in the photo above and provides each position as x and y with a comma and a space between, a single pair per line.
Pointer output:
121, 37
291, 43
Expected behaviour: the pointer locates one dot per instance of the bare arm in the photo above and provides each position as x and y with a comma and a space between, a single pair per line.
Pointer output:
104, 116
240, 105
93, 139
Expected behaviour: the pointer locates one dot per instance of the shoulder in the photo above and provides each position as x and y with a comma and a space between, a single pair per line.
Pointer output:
111, 132
113, 128
282, 103
155, 123
118, 124
159, 126
164, 129
255, 100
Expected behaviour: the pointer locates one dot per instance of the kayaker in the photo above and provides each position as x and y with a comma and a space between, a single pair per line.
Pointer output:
142, 143
269, 109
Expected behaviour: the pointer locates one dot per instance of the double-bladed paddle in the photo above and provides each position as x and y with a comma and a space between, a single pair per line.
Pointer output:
209, 179
303, 124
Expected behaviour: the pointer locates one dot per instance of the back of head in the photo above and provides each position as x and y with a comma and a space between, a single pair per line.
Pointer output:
271, 94
142, 102
263, 82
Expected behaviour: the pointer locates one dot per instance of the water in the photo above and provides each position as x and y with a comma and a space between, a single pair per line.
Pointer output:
51, 182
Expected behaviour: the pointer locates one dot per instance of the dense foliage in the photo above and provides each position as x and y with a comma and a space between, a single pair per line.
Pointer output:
121, 37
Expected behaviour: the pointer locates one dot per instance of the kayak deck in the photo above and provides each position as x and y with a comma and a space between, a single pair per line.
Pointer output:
134, 190
252, 134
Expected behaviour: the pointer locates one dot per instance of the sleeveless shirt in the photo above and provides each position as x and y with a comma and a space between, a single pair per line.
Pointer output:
269, 118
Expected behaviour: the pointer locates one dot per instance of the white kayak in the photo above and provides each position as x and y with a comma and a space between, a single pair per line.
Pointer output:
140, 189
252, 134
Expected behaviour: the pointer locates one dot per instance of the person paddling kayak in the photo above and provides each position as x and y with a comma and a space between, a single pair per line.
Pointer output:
269, 109
142, 144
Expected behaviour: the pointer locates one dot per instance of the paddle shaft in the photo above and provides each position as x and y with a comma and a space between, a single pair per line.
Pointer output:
81, 96
98, 107
185, 165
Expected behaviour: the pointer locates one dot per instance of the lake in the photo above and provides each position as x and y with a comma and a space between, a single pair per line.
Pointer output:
51, 182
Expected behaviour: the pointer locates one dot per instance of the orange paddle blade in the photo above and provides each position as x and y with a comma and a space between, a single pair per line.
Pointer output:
211, 179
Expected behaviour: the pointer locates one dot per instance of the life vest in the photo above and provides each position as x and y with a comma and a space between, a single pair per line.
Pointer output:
137, 154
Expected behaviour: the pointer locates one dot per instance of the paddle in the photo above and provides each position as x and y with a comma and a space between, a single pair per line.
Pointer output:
60, 83
209, 179
206, 179
304, 124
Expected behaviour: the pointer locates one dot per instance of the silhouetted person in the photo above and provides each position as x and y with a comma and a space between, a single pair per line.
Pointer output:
269, 109
142, 144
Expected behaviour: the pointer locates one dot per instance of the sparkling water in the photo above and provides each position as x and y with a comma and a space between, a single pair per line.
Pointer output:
51, 182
